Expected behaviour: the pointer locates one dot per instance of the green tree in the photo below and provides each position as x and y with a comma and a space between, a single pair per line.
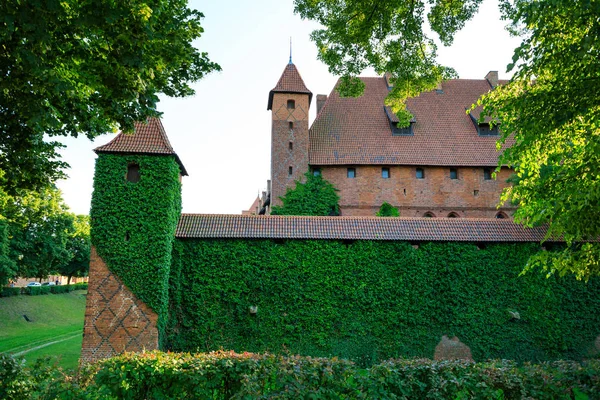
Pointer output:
550, 109
387, 210
314, 197
72, 67
78, 245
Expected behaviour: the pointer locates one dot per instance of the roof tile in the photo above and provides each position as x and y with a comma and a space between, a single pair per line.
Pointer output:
289, 82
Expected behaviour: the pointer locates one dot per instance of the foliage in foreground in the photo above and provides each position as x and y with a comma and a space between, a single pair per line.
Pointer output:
387, 210
316, 196
226, 375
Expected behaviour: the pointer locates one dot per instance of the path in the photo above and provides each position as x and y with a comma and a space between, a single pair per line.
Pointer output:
43, 345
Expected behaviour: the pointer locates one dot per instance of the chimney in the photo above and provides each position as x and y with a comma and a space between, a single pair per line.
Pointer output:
492, 78
438, 88
321, 99
388, 77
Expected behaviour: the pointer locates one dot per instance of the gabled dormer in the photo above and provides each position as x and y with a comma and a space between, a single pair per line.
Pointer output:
485, 126
398, 130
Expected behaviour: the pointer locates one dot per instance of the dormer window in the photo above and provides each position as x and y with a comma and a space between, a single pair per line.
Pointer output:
133, 173
483, 126
396, 129
291, 104
487, 130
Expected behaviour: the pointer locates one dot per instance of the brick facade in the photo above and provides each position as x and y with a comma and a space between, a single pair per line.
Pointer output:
289, 145
115, 319
469, 196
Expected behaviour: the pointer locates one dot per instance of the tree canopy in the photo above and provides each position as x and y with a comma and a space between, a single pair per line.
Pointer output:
550, 108
316, 196
387, 210
70, 68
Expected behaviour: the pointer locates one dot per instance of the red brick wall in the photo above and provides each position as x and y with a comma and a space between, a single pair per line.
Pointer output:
281, 156
468, 196
115, 319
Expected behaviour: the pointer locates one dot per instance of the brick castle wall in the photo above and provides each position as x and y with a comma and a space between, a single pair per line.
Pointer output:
115, 319
470, 196
282, 156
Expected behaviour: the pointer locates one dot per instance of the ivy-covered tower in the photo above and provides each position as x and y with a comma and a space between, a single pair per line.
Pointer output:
136, 205
289, 102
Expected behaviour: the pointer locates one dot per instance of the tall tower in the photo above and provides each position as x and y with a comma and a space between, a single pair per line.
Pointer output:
136, 205
289, 102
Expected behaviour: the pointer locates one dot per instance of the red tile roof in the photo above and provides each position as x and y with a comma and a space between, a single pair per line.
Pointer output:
147, 138
363, 228
357, 130
290, 82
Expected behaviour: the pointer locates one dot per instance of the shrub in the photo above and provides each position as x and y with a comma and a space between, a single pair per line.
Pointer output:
79, 286
387, 210
11, 291
44, 290
59, 289
32, 290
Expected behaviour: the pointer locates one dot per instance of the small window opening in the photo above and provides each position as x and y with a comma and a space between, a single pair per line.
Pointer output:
316, 171
415, 245
501, 215
420, 173
487, 174
290, 125
133, 173
429, 214
351, 173
278, 241
385, 173
486, 130
291, 104
453, 215
453, 173
481, 246
475, 192
291, 145
348, 242
405, 192
127, 236
290, 171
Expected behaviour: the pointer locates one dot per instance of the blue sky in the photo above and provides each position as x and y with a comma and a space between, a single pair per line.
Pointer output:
222, 134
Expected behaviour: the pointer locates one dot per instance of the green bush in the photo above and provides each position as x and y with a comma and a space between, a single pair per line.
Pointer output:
11, 291
56, 289
32, 290
79, 286
387, 210
45, 289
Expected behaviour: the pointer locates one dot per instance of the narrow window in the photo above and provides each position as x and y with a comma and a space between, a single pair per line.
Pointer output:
453, 173
351, 173
475, 192
501, 215
385, 173
133, 173
487, 174
420, 173
453, 215
429, 215
290, 171
291, 146
317, 171
291, 125
291, 104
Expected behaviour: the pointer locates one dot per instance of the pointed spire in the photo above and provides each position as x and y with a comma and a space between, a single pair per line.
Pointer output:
290, 82
290, 51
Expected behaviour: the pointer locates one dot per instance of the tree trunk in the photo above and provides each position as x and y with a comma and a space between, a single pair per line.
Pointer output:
68, 280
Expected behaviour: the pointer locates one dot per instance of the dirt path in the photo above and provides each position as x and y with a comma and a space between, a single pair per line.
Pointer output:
44, 345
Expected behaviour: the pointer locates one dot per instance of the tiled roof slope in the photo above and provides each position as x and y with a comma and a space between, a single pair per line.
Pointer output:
290, 82
366, 228
357, 130
147, 138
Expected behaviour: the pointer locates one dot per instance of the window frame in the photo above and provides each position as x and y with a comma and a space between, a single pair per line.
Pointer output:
454, 174
383, 173
351, 171
133, 174
291, 104
420, 170
487, 174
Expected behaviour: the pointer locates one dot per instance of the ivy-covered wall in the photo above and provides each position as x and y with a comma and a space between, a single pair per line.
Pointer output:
370, 300
133, 224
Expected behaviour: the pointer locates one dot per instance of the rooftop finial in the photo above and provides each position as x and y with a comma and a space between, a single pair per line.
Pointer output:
290, 49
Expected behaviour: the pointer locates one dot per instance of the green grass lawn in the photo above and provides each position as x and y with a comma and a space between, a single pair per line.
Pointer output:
53, 318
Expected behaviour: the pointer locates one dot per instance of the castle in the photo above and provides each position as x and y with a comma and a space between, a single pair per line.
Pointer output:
440, 166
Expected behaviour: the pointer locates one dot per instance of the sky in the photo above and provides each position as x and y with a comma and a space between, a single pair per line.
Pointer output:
222, 133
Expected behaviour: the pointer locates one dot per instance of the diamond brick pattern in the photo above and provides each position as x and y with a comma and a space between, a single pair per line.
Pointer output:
289, 82
359, 228
115, 320
356, 131
147, 138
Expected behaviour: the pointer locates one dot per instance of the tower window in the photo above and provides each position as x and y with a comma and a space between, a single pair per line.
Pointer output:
290, 171
453, 215
420, 173
453, 173
290, 124
316, 171
385, 173
133, 173
487, 174
351, 173
291, 104
291, 146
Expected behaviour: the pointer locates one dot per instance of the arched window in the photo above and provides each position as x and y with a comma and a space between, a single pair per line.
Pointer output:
291, 104
429, 214
453, 215
133, 173
501, 215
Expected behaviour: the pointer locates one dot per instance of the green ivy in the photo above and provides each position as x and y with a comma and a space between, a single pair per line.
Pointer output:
387, 210
133, 224
368, 300
316, 196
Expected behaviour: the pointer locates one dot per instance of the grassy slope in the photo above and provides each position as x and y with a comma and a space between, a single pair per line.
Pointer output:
54, 317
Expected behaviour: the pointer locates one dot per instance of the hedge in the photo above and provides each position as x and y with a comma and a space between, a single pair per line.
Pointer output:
40, 290
11, 291
369, 301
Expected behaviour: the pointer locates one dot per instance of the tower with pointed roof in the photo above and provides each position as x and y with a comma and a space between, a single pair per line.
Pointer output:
136, 205
289, 102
